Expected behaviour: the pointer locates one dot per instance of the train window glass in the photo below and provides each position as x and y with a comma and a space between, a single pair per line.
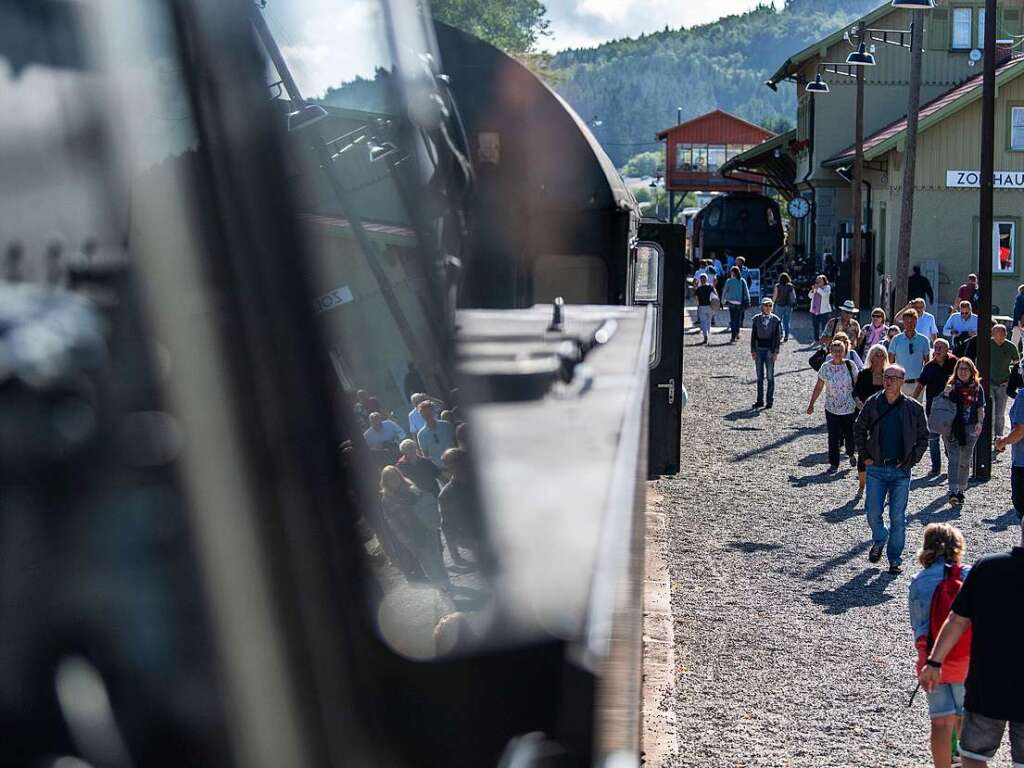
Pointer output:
102, 582
716, 157
700, 158
647, 274
684, 157
378, 175
769, 214
714, 216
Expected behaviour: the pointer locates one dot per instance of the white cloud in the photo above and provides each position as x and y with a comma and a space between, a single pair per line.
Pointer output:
580, 23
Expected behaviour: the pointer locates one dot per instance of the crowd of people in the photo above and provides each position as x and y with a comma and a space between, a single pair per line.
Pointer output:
426, 502
892, 393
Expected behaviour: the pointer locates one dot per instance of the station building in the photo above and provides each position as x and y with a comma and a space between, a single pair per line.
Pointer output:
815, 160
697, 149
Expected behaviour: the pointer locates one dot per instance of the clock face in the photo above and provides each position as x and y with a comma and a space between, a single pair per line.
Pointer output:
799, 207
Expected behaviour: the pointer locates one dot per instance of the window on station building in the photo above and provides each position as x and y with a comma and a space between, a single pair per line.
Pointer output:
684, 157
700, 158
1004, 245
716, 156
1017, 129
962, 28
980, 29
733, 150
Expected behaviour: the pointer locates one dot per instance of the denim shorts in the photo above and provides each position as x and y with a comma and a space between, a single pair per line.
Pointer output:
946, 699
981, 736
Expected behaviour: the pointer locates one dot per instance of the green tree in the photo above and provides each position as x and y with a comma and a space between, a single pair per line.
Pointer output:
515, 26
645, 164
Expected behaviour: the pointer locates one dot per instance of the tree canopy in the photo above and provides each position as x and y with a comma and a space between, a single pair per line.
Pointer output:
515, 26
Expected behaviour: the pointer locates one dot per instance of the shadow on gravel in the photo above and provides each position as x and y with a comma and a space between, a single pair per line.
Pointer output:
937, 511
932, 481
819, 479
865, 590
796, 434
843, 513
838, 560
742, 414
753, 547
1004, 522
813, 459
747, 429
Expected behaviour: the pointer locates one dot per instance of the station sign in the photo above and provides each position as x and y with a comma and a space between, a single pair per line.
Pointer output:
340, 295
972, 179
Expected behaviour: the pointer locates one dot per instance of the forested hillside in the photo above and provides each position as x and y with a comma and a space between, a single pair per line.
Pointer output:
633, 86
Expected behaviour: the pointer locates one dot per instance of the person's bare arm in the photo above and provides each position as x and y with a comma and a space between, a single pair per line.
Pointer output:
815, 395
1015, 436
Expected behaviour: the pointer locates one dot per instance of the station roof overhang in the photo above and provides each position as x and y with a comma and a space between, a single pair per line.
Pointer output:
819, 49
893, 136
771, 161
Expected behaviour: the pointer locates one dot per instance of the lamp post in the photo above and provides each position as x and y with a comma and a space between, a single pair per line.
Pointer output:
861, 59
983, 450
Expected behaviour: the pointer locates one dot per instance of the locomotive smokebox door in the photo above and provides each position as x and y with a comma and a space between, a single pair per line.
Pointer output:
658, 271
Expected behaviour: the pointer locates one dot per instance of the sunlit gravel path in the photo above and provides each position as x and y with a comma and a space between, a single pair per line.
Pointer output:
791, 649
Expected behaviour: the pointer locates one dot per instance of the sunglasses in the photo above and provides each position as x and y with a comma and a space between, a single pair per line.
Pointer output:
893, 378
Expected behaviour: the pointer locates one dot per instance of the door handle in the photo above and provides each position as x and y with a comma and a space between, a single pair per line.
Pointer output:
671, 387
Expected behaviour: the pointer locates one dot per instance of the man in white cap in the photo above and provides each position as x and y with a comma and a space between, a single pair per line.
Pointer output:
765, 338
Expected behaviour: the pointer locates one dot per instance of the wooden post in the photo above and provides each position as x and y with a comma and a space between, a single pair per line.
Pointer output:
909, 163
857, 253
986, 246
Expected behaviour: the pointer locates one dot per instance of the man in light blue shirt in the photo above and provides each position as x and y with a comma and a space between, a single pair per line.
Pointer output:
925, 320
965, 322
910, 350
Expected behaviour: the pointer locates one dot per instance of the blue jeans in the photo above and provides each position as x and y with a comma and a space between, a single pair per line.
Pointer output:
786, 315
935, 451
959, 470
819, 322
764, 362
894, 483
736, 313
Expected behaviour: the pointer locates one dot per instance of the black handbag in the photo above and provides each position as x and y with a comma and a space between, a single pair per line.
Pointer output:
818, 358
1015, 382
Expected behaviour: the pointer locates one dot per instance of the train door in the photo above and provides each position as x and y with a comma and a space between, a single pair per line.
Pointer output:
658, 276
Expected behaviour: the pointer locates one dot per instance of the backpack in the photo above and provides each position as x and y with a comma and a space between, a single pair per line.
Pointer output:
942, 416
942, 601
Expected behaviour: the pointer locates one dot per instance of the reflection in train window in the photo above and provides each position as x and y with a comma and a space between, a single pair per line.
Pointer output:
379, 171
647, 273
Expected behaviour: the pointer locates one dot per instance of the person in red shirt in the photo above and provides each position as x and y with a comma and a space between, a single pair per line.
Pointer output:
969, 291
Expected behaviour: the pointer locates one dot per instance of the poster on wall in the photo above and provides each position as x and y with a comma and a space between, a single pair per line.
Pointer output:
1004, 239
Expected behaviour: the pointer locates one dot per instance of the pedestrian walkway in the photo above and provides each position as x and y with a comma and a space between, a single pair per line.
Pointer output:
791, 650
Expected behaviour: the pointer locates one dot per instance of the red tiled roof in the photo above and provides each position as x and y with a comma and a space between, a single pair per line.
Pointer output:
934, 106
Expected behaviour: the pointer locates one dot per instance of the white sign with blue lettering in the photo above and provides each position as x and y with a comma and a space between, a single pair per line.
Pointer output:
337, 297
972, 179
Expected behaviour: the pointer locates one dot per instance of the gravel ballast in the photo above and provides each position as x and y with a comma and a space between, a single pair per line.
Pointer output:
791, 649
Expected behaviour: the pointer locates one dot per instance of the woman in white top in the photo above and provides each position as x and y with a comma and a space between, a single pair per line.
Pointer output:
836, 377
821, 304
851, 353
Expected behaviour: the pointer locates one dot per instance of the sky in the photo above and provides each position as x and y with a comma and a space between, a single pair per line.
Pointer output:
584, 23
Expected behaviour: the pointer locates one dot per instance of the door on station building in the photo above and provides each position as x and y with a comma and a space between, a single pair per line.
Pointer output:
844, 247
659, 271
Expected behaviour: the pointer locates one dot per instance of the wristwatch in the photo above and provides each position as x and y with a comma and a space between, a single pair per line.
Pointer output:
934, 663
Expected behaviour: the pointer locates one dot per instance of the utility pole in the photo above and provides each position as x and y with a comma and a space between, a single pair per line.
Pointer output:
909, 162
856, 254
986, 245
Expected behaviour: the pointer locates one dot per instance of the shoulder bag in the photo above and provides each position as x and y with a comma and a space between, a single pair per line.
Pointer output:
818, 358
